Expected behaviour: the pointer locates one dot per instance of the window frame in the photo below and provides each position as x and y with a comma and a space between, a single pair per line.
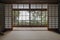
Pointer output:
29, 20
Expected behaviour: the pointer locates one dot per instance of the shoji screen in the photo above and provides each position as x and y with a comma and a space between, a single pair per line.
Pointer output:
8, 16
53, 15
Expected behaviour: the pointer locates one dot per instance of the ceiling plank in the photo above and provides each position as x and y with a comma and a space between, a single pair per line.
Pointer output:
27, 1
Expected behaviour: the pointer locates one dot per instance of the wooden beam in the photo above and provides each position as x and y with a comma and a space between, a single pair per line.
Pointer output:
31, 9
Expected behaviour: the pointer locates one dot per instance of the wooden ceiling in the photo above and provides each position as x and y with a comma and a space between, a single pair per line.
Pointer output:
27, 1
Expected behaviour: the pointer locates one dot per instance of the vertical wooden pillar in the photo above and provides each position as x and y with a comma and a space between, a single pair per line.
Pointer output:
59, 15
2, 18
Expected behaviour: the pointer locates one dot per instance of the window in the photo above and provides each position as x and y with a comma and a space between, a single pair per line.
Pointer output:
38, 6
35, 6
20, 6
30, 16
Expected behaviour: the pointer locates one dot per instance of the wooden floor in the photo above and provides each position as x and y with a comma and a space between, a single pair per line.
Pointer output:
30, 35
30, 28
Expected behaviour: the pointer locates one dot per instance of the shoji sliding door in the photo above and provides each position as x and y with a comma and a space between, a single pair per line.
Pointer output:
33, 15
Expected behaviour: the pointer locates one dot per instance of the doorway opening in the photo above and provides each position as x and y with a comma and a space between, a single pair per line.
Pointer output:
30, 15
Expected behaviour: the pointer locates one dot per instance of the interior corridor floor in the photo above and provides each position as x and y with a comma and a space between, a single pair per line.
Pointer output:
30, 35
